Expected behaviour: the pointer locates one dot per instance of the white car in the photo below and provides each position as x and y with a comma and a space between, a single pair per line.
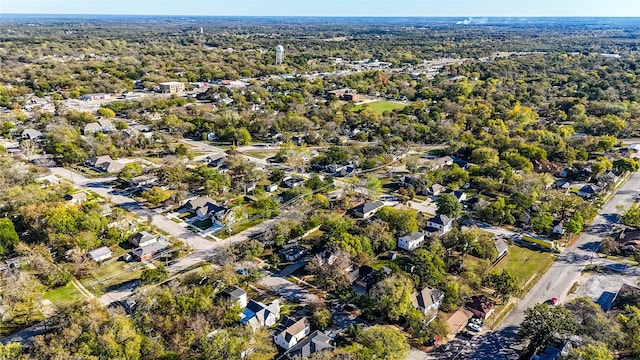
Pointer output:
475, 327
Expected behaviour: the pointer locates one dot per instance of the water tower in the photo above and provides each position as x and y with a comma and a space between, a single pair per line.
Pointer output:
279, 54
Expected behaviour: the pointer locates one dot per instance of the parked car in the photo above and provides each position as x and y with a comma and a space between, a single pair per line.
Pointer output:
551, 301
465, 335
474, 327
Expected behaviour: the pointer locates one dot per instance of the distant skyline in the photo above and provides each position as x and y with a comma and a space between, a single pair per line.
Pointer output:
418, 8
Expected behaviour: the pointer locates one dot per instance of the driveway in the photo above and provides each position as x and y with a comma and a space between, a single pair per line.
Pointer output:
288, 290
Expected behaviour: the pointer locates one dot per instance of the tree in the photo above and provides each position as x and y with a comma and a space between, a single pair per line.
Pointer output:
401, 221
452, 298
485, 156
12, 351
181, 150
354, 244
542, 222
631, 217
382, 343
448, 205
380, 235
430, 267
592, 351
153, 276
600, 165
106, 113
626, 164
8, 235
330, 274
394, 296
505, 284
321, 318
575, 224
156, 195
130, 170
543, 322
374, 187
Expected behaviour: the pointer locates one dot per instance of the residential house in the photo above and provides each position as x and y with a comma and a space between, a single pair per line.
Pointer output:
629, 240
271, 187
171, 87
292, 252
316, 342
293, 182
411, 241
344, 94
460, 195
205, 208
364, 278
216, 161
367, 209
76, 198
145, 253
335, 195
93, 97
627, 296
584, 174
558, 228
258, 315
100, 254
143, 180
435, 189
635, 148
104, 163
428, 301
37, 102
141, 239
293, 332
235, 295
441, 223
48, 180
441, 162
608, 179
563, 184
248, 188
102, 125
32, 134
588, 191
481, 306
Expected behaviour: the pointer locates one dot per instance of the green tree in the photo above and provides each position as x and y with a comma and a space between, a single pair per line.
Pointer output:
448, 205
321, 318
485, 156
156, 195
382, 343
575, 224
626, 164
452, 299
8, 235
505, 284
591, 351
106, 113
542, 222
181, 150
631, 217
394, 296
542, 322
130, 170
374, 187
401, 221
153, 276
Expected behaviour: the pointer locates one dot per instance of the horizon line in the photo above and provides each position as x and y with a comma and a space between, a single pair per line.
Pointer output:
342, 16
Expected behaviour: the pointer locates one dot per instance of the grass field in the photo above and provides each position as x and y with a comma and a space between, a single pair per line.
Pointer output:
112, 275
64, 295
380, 107
526, 264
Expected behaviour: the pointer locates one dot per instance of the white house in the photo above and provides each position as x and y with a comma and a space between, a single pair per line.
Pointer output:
442, 223
141, 239
412, 241
258, 315
271, 187
206, 208
428, 301
236, 295
76, 198
559, 228
294, 331
100, 254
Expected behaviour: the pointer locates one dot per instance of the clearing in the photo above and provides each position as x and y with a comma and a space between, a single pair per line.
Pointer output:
379, 107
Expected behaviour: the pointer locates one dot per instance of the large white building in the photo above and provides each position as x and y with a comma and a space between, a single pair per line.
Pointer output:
279, 54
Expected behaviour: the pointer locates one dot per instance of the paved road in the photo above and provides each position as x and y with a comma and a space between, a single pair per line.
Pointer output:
558, 280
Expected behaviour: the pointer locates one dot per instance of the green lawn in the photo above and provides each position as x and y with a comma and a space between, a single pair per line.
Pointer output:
112, 275
525, 264
380, 107
261, 154
64, 295
203, 224
223, 234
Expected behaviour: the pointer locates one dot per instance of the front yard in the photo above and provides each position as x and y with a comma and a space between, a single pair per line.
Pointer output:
526, 264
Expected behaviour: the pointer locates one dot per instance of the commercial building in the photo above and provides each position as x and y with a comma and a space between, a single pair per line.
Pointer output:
171, 87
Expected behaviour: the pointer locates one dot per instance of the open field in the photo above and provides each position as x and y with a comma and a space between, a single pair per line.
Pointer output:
379, 107
64, 295
525, 264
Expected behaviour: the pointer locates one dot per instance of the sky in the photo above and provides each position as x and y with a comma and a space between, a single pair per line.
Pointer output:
422, 8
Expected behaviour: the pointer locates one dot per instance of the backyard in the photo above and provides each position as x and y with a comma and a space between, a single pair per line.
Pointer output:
379, 107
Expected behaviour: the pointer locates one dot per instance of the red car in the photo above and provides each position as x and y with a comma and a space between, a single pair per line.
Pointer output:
551, 301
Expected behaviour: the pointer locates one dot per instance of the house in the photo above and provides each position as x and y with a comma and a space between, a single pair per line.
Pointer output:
607, 179
461, 196
501, 247
316, 342
367, 209
428, 301
344, 94
335, 195
293, 252
481, 306
143, 180
216, 161
442, 223
584, 174
104, 164
34, 102
364, 278
258, 315
558, 349
588, 191
627, 296
236, 295
100, 254
205, 208
271, 187
293, 332
435, 189
634, 148
458, 320
558, 228
411, 241
248, 188
32, 134
93, 97
629, 240
566, 172
145, 253
171, 87
440, 162
76, 198
293, 182
141, 239
562, 184
102, 125
48, 180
